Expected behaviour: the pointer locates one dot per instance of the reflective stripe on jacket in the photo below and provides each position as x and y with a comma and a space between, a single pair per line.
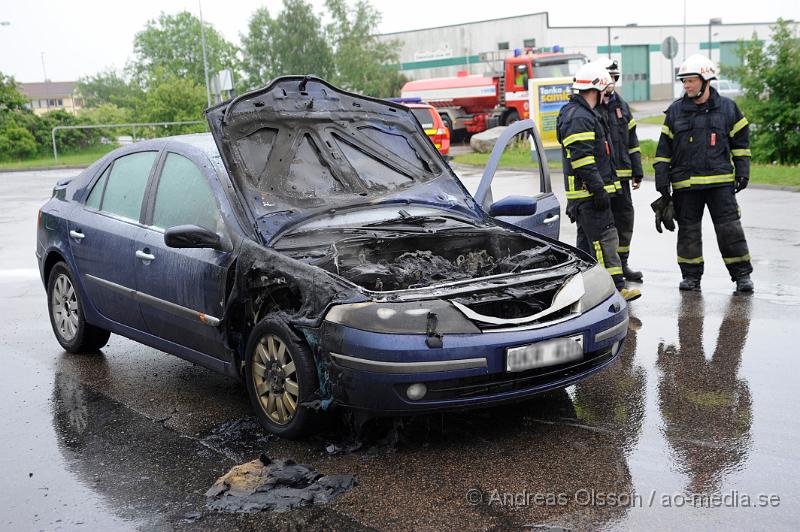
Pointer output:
624, 140
702, 146
585, 151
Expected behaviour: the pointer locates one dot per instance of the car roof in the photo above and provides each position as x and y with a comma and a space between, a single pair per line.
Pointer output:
418, 105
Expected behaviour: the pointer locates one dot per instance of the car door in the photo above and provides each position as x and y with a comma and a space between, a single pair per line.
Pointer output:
182, 291
103, 235
546, 219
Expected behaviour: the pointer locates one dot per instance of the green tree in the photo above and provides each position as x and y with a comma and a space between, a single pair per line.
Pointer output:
363, 62
173, 98
16, 142
11, 99
172, 43
771, 102
292, 43
107, 87
258, 63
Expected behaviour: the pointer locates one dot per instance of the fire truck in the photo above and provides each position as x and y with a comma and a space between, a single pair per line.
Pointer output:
475, 102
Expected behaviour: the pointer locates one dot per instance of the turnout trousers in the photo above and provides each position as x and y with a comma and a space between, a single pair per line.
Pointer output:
597, 236
725, 213
622, 208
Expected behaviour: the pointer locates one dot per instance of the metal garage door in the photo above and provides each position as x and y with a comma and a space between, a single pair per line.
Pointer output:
729, 57
636, 73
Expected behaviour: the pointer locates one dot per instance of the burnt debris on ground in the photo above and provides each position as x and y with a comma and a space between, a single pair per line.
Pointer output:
274, 485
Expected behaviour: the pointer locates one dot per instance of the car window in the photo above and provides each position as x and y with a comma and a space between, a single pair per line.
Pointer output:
424, 116
126, 184
183, 196
96, 195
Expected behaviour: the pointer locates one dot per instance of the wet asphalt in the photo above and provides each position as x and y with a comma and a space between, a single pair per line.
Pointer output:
693, 425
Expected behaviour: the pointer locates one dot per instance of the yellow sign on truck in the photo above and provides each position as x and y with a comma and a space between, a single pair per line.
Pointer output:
546, 97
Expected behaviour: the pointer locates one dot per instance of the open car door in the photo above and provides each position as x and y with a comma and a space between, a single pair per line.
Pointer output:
534, 210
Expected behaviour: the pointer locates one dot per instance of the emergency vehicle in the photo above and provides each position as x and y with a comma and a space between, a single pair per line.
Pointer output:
476, 102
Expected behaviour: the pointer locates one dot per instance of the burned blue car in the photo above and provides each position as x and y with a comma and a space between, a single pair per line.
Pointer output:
318, 247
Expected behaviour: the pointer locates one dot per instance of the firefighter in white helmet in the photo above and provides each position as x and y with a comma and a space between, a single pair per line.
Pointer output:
589, 171
703, 159
627, 158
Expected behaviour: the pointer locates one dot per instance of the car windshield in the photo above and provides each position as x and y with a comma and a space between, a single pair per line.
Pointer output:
556, 70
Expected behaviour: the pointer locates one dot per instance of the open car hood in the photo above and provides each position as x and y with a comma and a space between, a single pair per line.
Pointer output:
300, 146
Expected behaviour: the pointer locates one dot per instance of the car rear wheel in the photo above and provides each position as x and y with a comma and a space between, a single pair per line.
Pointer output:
510, 118
66, 314
280, 376
449, 125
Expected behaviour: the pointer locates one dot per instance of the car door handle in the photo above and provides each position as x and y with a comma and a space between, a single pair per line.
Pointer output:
77, 235
144, 256
551, 219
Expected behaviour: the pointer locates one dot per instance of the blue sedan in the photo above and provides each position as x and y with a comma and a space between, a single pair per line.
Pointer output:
318, 247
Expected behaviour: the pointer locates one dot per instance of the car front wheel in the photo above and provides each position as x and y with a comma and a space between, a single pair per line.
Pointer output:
66, 314
280, 376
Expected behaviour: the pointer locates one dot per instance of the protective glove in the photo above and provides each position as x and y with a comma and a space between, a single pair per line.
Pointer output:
665, 213
600, 199
741, 183
664, 191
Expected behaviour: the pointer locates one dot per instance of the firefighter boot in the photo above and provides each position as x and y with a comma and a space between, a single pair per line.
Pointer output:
631, 275
630, 294
744, 284
690, 283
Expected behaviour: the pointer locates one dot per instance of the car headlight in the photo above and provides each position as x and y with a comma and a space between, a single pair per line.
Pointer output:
598, 286
403, 318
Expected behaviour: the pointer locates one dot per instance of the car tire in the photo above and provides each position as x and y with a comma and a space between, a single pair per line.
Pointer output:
449, 125
510, 118
65, 308
280, 375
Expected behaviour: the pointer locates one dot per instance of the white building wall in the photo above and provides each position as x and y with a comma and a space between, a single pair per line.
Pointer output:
443, 51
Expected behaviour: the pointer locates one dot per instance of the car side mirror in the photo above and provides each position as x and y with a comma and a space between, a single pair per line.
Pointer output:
191, 236
514, 206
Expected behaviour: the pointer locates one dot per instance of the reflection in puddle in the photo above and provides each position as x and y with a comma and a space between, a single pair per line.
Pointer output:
706, 408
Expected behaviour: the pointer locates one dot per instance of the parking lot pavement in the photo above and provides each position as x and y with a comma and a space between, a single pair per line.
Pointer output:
691, 426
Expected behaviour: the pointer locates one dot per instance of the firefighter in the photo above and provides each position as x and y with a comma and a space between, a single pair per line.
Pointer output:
627, 162
703, 133
589, 173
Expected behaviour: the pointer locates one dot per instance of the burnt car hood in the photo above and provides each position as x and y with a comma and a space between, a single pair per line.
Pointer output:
301, 146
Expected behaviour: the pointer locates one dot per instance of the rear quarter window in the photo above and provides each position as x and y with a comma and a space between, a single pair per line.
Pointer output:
425, 117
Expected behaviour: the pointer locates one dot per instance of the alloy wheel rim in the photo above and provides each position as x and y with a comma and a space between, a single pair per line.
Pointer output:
65, 307
275, 379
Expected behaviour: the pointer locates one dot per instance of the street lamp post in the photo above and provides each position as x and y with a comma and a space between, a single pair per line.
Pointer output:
203, 43
711, 22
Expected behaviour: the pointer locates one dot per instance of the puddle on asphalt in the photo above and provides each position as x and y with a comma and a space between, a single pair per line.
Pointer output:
274, 485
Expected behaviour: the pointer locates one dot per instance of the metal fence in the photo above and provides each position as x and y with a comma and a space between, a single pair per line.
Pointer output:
132, 126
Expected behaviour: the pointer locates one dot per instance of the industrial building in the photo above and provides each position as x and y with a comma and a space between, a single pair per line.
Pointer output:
648, 74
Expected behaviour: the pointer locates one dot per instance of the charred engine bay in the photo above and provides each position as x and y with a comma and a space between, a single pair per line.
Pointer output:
416, 260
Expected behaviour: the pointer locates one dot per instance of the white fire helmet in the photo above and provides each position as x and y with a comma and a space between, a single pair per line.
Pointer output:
698, 65
592, 76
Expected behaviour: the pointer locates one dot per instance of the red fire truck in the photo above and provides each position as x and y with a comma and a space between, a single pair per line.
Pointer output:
475, 102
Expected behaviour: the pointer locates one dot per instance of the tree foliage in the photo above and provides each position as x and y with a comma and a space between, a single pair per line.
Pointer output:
363, 63
172, 43
107, 87
294, 42
174, 99
771, 82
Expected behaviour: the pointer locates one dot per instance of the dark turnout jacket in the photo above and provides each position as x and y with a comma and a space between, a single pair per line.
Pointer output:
622, 134
702, 146
585, 150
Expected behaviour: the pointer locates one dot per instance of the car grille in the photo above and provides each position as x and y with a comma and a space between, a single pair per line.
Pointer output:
484, 385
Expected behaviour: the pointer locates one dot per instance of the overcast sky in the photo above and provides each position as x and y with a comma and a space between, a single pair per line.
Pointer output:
81, 37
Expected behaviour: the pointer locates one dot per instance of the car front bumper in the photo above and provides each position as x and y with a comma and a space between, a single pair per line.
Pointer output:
372, 371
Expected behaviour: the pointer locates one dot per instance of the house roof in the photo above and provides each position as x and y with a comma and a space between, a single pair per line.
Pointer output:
48, 89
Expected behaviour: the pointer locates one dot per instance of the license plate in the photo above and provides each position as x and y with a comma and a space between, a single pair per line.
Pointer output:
546, 353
